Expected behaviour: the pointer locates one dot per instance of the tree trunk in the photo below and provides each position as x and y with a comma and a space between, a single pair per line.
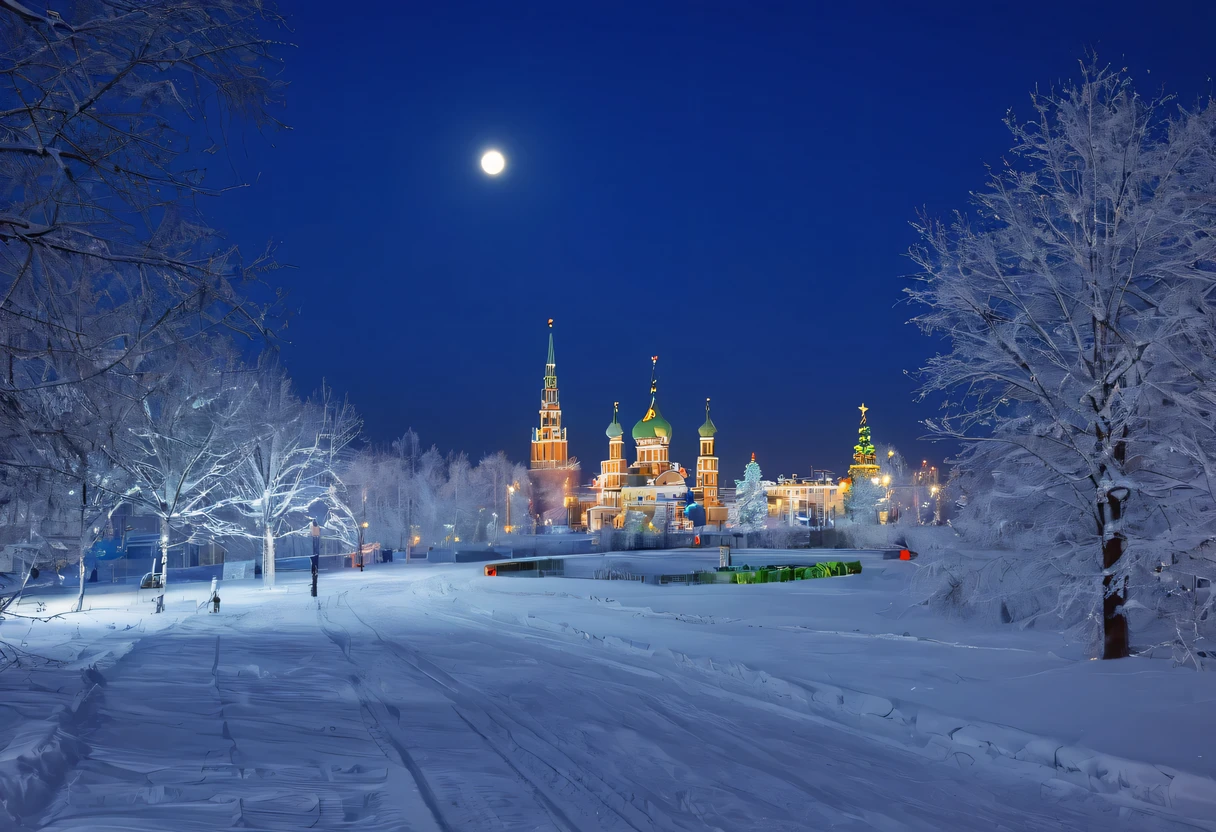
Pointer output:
80, 594
1115, 635
164, 563
268, 559
83, 549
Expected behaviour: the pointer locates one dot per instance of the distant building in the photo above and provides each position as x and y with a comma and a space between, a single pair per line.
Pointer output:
810, 501
653, 486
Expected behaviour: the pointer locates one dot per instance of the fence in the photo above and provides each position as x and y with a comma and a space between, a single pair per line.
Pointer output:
614, 540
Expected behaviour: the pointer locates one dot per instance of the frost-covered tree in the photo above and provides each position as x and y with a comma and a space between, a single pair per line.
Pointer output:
181, 449
104, 260
894, 465
104, 256
341, 426
436, 497
1077, 301
862, 499
287, 454
750, 511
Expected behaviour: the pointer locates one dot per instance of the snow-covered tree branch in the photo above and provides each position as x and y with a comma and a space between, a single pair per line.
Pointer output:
1077, 301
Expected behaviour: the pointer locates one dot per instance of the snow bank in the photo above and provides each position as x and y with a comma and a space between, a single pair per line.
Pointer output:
967, 742
37, 759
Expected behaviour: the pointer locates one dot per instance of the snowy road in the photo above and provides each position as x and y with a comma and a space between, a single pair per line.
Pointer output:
379, 709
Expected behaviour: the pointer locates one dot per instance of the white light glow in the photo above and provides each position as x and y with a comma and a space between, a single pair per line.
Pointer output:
493, 162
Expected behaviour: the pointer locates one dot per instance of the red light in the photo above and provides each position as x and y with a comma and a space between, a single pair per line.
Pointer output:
904, 554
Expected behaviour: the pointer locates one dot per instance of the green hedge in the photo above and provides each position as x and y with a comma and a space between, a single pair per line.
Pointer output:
778, 574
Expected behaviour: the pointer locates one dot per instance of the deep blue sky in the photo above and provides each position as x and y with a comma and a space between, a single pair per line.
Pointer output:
726, 185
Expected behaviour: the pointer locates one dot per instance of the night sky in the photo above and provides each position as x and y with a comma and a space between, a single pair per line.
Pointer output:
726, 185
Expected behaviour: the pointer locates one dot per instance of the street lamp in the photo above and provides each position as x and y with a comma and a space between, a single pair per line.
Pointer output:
362, 528
510, 494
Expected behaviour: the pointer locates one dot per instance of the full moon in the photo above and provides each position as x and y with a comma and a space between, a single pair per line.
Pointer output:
493, 162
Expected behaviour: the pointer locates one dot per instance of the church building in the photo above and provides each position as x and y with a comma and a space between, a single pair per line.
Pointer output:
654, 489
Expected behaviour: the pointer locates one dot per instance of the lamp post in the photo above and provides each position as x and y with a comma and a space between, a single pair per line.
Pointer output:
315, 560
510, 494
362, 527
936, 492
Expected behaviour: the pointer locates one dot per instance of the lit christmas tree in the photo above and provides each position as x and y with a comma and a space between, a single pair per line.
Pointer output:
864, 494
751, 499
865, 463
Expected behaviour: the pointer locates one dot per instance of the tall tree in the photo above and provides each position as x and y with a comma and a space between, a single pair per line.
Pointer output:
862, 499
182, 449
750, 511
1077, 302
287, 453
104, 259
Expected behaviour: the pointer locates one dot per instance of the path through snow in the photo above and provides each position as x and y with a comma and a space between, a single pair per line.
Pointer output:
379, 708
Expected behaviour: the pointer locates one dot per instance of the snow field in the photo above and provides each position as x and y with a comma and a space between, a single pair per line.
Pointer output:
434, 698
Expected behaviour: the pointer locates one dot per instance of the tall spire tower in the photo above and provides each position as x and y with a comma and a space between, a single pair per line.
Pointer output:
549, 440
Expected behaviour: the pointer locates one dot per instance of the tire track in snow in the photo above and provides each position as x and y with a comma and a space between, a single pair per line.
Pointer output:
728, 687
369, 703
549, 755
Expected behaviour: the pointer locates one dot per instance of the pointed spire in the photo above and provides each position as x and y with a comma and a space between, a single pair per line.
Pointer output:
709, 428
551, 370
653, 424
753, 456
615, 430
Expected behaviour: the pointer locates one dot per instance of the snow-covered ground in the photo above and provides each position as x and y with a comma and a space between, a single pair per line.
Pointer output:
433, 698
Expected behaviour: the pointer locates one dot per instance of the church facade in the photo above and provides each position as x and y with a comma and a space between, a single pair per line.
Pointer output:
652, 492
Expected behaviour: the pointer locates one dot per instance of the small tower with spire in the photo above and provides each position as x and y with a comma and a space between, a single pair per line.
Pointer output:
549, 449
707, 462
614, 468
707, 474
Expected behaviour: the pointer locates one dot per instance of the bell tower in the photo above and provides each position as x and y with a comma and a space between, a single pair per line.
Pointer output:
707, 463
614, 468
549, 448
707, 474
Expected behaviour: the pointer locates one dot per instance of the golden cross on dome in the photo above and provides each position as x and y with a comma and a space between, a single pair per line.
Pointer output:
863, 410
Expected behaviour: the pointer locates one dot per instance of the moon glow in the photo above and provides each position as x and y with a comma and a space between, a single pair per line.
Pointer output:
493, 162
